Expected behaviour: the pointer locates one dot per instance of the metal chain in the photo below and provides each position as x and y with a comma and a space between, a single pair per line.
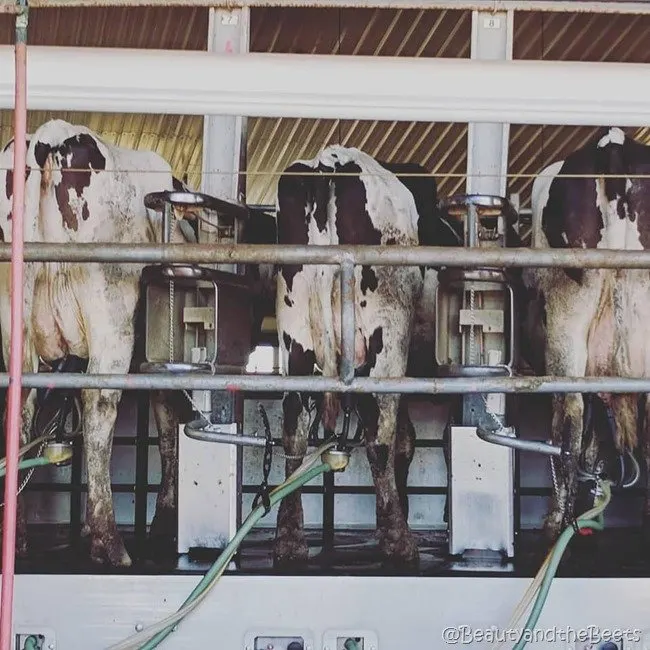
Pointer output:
171, 321
26, 480
472, 324
263, 491
556, 486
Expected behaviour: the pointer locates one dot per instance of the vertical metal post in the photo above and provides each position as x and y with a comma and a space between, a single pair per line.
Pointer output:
12, 424
472, 225
487, 165
168, 210
347, 322
224, 136
212, 520
487, 143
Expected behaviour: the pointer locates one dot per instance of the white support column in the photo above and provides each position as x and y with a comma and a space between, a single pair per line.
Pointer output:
481, 506
487, 143
224, 136
207, 484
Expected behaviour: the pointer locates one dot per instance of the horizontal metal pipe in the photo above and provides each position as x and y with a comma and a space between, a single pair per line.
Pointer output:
198, 431
480, 5
535, 446
127, 80
359, 255
407, 385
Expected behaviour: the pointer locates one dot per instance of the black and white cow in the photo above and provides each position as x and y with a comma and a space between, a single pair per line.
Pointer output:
366, 204
591, 322
81, 189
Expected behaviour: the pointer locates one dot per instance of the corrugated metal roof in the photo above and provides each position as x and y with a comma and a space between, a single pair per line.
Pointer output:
273, 143
178, 138
569, 37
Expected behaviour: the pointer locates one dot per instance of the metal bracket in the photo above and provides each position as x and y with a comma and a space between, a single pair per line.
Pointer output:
157, 201
504, 439
203, 316
201, 430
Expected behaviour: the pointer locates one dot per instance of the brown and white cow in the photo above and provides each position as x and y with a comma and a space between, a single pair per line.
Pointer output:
81, 189
591, 322
366, 204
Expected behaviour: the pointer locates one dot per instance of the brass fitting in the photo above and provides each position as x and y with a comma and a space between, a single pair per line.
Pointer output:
58, 453
337, 460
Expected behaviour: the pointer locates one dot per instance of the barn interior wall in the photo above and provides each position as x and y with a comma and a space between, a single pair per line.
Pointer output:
273, 143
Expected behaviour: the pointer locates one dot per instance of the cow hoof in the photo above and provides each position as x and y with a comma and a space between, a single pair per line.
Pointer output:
400, 553
290, 551
111, 552
164, 525
22, 545
552, 527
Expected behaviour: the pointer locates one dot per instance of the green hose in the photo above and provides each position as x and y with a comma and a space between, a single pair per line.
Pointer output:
27, 464
556, 556
31, 643
234, 543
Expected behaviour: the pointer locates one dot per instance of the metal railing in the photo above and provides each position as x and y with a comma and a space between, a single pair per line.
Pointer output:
576, 258
347, 257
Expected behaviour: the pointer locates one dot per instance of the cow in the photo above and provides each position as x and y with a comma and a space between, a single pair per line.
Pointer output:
80, 189
343, 196
591, 322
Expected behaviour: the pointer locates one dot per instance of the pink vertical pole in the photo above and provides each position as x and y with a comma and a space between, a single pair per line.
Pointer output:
16, 343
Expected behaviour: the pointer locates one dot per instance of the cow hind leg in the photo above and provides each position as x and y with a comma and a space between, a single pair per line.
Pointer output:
27, 415
164, 525
404, 452
567, 426
28, 407
566, 355
99, 417
290, 547
396, 542
100, 414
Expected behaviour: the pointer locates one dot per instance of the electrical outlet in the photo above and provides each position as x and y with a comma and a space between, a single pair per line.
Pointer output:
279, 643
33, 637
350, 639
637, 640
282, 639
29, 642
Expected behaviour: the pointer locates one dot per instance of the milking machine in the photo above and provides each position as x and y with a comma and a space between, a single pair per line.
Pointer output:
475, 338
197, 319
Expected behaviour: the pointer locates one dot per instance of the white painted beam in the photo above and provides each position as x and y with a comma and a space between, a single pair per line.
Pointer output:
358, 87
591, 6
92, 612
